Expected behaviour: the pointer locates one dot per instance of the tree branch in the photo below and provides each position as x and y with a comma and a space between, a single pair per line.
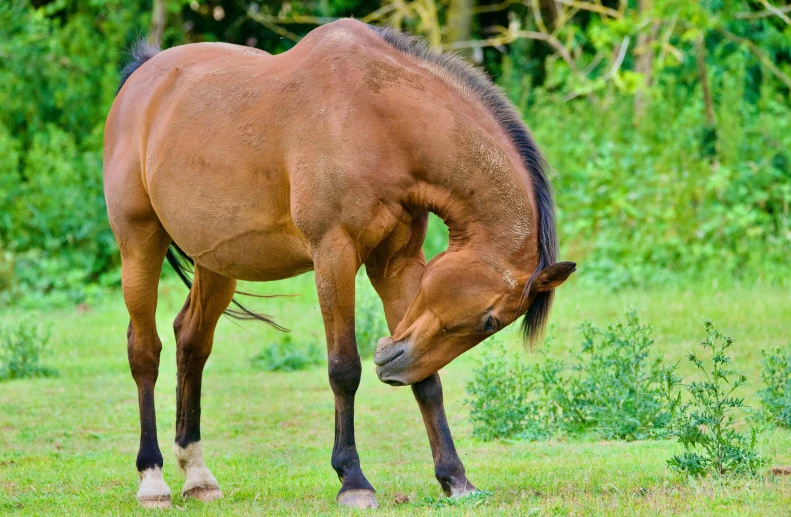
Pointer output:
596, 8
758, 53
762, 14
775, 10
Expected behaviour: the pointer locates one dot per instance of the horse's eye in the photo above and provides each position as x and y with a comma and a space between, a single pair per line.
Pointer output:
489, 327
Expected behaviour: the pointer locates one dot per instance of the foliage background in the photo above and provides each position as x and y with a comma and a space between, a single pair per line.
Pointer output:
667, 121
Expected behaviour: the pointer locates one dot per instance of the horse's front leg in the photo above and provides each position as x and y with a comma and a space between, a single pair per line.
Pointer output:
395, 269
447, 465
336, 264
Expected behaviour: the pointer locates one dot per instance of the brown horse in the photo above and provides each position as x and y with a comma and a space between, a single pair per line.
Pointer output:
325, 158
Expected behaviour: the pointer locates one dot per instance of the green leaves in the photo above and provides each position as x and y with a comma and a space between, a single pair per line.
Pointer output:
705, 421
614, 389
776, 374
22, 346
288, 356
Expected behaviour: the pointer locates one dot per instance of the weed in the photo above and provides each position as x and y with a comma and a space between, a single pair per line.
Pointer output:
618, 386
776, 374
500, 391
22, 346
471, 500
287, 356
613, 389
704, 424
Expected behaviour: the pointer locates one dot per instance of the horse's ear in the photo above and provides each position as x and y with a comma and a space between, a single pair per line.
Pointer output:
551, 277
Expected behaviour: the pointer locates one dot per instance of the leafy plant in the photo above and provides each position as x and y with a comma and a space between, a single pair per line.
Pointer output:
471, 500
704, 423
614, 389
22, 346
618, 386
287, 356
500, 392
776, 374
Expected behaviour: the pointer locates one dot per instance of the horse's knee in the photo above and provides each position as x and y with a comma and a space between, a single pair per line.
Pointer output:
344, 372
143, 350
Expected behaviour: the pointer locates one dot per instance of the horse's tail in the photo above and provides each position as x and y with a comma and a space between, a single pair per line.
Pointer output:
183, 265
140, 52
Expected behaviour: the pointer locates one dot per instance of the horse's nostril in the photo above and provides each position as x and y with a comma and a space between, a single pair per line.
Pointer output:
390, 355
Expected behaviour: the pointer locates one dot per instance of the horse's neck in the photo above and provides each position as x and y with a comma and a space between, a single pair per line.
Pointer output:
483, 196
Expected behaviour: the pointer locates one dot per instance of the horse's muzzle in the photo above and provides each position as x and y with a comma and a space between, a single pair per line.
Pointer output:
391, 360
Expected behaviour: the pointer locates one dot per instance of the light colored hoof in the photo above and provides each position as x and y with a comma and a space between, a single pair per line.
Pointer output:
203, 493
200, 484
462, 488
153, 491
455, 494
151, 503
357, 499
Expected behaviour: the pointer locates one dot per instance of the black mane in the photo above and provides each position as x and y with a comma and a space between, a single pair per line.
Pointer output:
504, 112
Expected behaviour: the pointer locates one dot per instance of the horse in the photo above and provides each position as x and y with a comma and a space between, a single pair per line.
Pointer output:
326, 157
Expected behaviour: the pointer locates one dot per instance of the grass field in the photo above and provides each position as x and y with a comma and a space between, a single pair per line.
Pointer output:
68, 444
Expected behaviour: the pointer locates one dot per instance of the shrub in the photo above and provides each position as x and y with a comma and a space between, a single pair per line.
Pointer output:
22, 346
705, 423
776, 374
500, 391
618, 386
287, 356
614, 389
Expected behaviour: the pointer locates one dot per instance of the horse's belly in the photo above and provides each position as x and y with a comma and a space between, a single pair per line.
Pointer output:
258, 255
243, 234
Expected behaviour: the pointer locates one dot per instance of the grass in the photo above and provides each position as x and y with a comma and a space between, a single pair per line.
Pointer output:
68, 444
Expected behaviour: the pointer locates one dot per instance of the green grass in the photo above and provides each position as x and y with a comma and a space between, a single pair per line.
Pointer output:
68, 444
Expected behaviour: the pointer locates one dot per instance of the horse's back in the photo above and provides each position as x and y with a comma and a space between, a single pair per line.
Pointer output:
221, 139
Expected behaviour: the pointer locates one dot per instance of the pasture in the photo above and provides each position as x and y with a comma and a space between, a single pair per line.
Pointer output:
68, 443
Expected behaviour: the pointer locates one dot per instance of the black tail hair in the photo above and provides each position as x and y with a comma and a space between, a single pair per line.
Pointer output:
140, 52
183, 266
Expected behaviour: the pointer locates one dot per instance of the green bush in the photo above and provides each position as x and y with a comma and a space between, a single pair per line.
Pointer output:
618, 385
704, 419
500, 396
22, 347
644, 204
613, 390
776, 374
287, 356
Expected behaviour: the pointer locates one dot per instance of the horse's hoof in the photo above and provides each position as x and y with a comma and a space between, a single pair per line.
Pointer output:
153, 491
463, 492
460, 489
203, 493
154, 502
357, 499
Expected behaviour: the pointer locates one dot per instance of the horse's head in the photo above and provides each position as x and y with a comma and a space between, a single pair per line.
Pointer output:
462, 300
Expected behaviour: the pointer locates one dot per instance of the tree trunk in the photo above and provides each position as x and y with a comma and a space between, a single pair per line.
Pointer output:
157, 22
459, 24
644, 62
700, 55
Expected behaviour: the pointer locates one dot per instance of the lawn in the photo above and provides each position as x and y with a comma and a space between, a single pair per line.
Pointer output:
68, 444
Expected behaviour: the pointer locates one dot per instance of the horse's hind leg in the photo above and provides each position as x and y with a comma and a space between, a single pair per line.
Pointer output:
143, 243
208, 298
395, 268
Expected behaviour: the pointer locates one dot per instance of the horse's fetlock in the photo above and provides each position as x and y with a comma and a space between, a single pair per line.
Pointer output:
448, 474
